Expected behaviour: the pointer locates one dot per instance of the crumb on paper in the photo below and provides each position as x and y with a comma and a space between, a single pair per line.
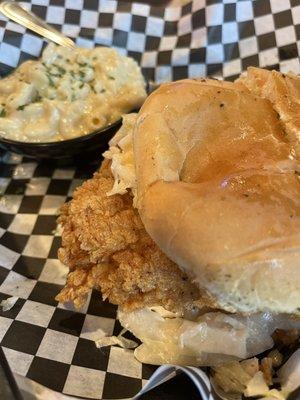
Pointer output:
8, 303
119, 340
56, 231
233, 377
256, 386
266, 366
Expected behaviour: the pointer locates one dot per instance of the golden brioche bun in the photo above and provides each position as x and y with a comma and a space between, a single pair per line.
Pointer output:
219, 192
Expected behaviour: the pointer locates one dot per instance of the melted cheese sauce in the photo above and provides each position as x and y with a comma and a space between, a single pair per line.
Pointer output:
68, 93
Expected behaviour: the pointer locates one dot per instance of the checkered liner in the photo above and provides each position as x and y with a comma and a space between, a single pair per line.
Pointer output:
51, 343
201, 38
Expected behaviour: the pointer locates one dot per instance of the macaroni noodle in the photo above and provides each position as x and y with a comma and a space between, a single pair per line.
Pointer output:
68, 93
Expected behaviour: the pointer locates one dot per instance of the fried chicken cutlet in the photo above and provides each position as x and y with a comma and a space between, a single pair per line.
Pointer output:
106, 247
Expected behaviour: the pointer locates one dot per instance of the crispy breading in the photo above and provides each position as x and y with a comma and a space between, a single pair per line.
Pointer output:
106, 247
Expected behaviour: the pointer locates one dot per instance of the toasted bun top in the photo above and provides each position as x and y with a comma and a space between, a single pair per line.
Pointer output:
219, 192
283, 90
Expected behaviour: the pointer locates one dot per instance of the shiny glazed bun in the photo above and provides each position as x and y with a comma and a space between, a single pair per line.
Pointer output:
283, 90
219, 192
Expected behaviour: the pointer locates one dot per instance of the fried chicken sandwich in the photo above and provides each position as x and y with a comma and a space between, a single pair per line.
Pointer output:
192, 224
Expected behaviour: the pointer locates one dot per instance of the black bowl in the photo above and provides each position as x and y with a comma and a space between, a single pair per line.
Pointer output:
82, 148
86, 147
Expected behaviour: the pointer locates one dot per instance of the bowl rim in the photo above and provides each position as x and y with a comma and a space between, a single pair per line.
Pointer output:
80, 138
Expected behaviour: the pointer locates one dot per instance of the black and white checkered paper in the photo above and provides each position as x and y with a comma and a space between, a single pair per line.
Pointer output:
49, 342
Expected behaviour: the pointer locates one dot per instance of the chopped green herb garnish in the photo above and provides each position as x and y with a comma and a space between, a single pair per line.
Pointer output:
112, 78
83, 64
51, 82
103, 91
2, 113
81, 74
81, 85
73, 97
21, 108
93, 89
61, 70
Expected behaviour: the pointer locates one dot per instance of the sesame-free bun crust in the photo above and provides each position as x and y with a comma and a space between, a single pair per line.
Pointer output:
219, 192
283, 90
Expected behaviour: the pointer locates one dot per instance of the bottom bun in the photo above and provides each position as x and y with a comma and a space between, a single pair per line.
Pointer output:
212, 339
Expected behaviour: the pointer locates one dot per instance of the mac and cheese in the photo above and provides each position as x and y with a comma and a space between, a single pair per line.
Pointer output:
68, 93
